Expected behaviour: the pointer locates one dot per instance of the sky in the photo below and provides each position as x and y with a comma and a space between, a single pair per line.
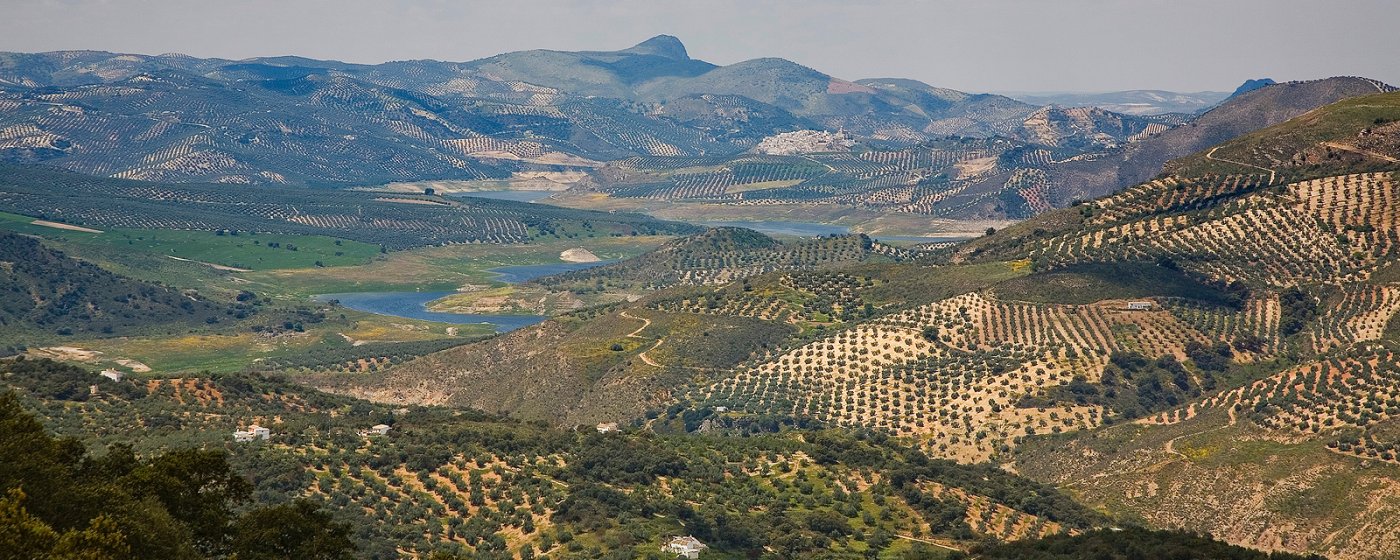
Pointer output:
973, 45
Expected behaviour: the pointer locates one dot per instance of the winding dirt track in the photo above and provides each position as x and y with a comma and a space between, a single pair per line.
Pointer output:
1211, 156
1356, 150
638, 334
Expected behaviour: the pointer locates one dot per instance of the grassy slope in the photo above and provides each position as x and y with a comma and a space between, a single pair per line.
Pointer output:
577, 369
442, 268
245, 250
1237, 482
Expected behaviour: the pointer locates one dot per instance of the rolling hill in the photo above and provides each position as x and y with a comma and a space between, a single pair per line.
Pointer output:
392, 221
51, 293
1213, 348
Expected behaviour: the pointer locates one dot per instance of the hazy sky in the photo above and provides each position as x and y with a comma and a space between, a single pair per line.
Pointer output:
975, 45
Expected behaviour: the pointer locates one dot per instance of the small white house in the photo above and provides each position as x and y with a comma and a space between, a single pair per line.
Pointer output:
379, 430
1140, 306
253, 432
607, 427
685, 547
721, 409
112, 374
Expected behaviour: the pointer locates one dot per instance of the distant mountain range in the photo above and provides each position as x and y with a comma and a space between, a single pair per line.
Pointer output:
604, 115
298, 120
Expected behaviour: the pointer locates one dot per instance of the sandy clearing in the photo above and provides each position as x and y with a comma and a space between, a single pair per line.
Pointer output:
134, 365
69, 227
66, 353
578, 255
975, 167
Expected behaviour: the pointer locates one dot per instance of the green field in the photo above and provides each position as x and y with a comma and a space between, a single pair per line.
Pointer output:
448, 267
279, 272
245, 250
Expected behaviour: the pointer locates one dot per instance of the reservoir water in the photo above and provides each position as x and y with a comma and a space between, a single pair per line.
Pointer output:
413, 305
817, 229
518, 196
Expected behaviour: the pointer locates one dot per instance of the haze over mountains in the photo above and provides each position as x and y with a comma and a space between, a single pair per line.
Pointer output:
1131, 102
303, 121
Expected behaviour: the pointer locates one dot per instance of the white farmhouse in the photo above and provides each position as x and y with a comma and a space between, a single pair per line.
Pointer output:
112, 374
253, 432
1139, 306
606, 427
685, 547
379, 430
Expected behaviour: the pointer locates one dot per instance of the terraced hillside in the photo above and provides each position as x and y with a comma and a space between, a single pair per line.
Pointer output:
612, 361
942, 178
1168, 341
392, 221
721, 256
1255, 110
1264, 272
717, 256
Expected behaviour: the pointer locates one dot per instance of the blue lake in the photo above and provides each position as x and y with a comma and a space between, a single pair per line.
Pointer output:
817, 229
527, 272
413, 305
518, 196
794, 229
